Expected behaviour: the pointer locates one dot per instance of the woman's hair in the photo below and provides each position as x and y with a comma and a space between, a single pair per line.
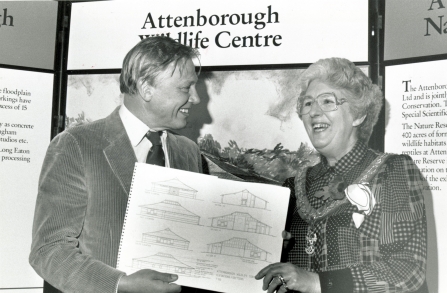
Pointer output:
364, 97
149, 58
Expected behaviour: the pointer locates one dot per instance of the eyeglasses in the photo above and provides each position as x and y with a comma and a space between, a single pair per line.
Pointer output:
326, 101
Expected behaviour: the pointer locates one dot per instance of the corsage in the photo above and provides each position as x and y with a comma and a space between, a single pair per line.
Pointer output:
361, 196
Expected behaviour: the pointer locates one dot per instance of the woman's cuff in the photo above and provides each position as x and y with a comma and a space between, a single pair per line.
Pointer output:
339, 281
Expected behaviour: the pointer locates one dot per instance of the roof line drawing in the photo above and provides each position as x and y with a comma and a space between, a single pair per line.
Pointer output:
239, 247
244, 198
169, 210
163, 262
165, 237
172, 187
241, 221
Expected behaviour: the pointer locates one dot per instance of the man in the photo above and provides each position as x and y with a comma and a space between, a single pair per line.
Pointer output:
87, 173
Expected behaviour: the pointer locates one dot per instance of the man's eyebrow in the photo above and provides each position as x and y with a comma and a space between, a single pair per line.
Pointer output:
193, 80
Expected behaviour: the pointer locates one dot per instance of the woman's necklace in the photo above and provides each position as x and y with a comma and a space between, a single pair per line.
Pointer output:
309, 213
305, 210
311, 239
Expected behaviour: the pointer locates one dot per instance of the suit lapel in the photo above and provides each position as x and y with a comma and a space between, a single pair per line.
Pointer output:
177, 159
119, 152
121, 157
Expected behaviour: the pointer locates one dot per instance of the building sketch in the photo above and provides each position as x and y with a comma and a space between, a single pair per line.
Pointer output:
238, 247
165, 238
173, 187
169, 210
163, 262
244, 198
241, 222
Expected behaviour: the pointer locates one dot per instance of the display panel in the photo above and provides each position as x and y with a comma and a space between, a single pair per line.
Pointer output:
416, 124
415, 28
245, 125
226, 33
25, 132
28, 33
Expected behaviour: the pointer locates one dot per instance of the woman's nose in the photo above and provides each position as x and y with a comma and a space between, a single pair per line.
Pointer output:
315, 109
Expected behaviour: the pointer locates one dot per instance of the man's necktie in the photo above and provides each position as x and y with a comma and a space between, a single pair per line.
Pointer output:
156, 155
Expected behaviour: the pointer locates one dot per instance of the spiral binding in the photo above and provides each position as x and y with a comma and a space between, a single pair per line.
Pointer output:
125, 217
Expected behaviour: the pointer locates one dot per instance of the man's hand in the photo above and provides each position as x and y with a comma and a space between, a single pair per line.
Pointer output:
148, 281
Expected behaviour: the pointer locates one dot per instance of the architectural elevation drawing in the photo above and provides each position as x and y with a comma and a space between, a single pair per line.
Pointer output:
214, 233
239, 247
173, 187
165, 238
241, 222
169, 210
244, 198
163, 262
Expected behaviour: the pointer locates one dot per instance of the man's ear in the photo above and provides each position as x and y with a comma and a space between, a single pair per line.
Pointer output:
145, 90
359, 121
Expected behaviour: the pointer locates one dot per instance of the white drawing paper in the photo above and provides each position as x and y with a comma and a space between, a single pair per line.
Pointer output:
215, 234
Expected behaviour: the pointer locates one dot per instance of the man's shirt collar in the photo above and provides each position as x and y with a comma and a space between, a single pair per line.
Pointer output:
135, 128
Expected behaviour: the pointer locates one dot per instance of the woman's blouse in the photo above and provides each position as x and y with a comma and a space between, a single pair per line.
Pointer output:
387, 253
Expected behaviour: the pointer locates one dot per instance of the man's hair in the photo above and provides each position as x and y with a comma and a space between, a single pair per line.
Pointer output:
364, 97
149, 58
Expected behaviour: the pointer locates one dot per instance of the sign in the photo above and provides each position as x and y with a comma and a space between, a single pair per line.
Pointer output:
28, 33
225, 33
424, 32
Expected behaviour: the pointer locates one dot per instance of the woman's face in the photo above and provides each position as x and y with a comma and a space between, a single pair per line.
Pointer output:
332, 133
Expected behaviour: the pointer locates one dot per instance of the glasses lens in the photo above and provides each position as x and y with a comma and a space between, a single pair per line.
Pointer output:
327, 102
306, 105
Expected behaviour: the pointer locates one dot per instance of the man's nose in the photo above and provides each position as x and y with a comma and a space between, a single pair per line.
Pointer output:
193, 96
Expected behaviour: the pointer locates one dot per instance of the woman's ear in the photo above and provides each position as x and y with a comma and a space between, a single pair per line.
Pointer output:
145, 90
359, 121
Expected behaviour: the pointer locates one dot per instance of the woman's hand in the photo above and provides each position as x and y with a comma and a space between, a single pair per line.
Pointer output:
295, 279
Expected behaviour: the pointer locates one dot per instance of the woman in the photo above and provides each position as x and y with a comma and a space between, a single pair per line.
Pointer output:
359, 218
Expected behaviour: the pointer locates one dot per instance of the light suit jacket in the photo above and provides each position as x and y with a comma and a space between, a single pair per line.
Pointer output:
81, 203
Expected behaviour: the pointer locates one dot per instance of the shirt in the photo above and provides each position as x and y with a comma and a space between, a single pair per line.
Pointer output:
136, 130
387, 253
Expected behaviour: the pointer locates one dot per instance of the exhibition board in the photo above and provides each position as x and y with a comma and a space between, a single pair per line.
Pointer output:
424, 32
416, 124
246, 120
28, 42
225, 33
102, 32
415, 117
243, 112
26, 99
28, 33
238, 103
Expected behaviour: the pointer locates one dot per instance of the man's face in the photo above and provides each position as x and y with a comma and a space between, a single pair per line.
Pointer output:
172, 95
